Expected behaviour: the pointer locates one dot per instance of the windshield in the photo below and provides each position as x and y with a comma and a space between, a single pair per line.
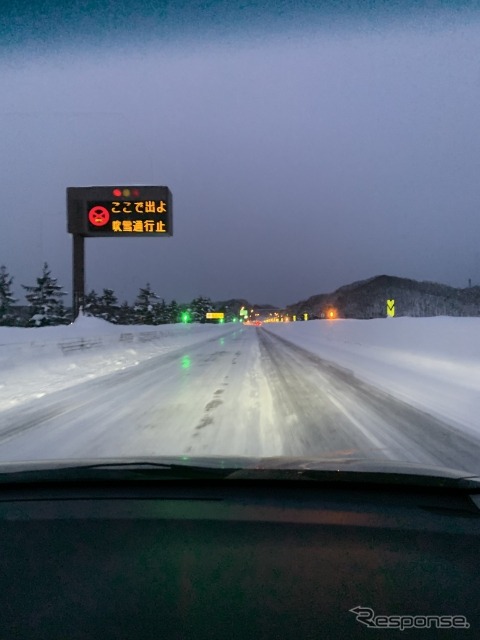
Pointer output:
243, 230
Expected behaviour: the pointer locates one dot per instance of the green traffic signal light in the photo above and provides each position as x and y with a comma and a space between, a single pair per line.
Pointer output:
185, 316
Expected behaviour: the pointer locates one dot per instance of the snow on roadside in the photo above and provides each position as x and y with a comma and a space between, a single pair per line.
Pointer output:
431, 363
32, 362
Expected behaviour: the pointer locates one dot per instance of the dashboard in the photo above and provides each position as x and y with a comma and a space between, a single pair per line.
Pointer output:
235, 559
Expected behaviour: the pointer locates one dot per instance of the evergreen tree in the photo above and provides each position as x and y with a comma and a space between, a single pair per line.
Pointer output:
173, 312
7, 313
45, 299
125, 314
109, 309
91, 305
161, 313
144, 311
200, 307
229, 313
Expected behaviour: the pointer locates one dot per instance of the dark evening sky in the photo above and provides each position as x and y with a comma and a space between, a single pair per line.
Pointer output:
305, 149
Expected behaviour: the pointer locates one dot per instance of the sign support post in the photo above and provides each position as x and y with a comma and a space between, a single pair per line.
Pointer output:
78, 293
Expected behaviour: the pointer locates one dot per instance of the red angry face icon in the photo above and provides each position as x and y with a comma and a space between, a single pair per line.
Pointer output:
98, 216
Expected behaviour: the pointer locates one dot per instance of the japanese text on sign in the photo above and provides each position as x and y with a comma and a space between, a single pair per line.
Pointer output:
128, 217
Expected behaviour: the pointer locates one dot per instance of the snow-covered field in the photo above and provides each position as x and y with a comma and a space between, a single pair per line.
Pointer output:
431, 363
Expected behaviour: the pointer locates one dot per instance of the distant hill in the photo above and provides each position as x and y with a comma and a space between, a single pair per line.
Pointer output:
235, 304
368, 299
264, 307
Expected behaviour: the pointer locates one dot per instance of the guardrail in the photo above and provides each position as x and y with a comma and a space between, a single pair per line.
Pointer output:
83, 343
148, 336
80, 343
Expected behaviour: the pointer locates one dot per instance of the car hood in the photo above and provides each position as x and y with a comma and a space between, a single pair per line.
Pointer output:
329, 468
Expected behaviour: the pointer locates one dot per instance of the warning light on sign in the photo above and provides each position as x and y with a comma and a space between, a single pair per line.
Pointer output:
125, 193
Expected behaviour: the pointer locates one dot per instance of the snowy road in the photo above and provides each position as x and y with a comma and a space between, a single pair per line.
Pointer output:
248, 392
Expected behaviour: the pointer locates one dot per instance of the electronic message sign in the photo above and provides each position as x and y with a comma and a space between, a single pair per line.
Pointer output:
133, 211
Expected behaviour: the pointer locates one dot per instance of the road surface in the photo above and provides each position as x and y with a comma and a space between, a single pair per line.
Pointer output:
249, 393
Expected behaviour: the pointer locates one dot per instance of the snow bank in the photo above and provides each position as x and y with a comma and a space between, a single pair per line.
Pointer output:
431, 363
37, 361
